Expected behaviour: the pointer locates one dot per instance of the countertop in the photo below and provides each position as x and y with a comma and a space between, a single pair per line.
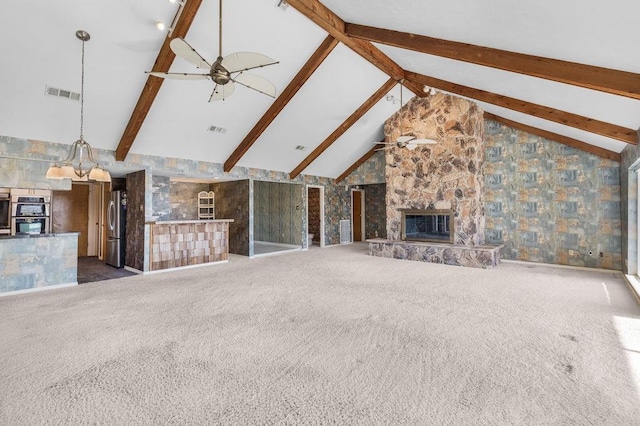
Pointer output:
21, 236
181, 222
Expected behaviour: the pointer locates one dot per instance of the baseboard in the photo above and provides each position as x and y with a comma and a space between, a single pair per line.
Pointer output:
31, 290
554, 265
135, 271
634, 285
178, 268
277, 252
278, 244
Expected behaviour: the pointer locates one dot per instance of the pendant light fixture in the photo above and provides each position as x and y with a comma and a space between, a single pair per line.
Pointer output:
67, 169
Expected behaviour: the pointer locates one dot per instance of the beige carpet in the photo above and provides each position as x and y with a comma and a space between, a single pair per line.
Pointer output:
329, 336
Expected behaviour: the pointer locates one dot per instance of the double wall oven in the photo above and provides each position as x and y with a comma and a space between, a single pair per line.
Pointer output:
5, 212
30, 213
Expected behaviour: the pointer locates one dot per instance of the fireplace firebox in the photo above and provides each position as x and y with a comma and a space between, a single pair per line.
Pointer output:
428, 225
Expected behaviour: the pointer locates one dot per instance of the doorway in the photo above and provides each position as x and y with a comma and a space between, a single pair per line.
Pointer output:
315, 215
79, 210
357, 215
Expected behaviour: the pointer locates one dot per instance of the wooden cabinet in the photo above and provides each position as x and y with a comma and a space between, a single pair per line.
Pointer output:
206, 205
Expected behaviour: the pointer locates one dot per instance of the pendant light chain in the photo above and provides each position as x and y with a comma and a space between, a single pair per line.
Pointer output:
220, 30
82, 96
66, 168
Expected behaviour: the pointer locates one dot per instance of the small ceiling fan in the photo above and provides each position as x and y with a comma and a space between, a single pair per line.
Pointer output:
410, 142
224, 71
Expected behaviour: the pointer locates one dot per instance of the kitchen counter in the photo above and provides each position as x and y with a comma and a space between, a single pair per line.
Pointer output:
180, 243
36, 262
185, 222
59, 234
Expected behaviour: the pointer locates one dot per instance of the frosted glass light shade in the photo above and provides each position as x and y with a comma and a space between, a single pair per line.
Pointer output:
99, 175
95, 173
68, 172
54, 172
106, 176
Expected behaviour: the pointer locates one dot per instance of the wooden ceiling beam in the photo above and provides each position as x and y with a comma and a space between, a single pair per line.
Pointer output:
152, 86
362, 110
417, 89
359, 162
607, 80
278, 105
608, 130
331, 23
596, 150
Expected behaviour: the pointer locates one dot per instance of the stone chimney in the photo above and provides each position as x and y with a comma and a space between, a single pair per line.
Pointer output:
447, 175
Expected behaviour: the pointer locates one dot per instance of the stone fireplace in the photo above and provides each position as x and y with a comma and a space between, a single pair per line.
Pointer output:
445, 177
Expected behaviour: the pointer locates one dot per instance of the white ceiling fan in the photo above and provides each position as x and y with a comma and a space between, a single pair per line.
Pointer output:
224, 71
410, 142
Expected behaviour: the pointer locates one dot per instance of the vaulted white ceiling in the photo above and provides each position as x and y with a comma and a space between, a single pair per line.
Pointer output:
39, 48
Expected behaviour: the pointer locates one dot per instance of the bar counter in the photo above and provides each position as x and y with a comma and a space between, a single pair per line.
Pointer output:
187, 243
38, 261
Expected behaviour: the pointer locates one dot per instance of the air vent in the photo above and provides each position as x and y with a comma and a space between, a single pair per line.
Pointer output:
61, 93
217, 129
301, 147
345, 231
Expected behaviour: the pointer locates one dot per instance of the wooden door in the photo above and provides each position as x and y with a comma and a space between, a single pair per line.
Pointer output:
357, 215
70, 213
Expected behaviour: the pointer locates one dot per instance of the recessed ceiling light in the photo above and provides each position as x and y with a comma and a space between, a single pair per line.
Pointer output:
161, 25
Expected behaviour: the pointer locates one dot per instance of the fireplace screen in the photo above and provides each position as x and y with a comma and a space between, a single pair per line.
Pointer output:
427, 225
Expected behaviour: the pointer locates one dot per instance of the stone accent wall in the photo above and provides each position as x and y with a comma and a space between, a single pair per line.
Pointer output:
161, 209
369, 172
183, 198
28, 263
29, 161
135, 230
232, 202
550, 203
447, 175
375, 207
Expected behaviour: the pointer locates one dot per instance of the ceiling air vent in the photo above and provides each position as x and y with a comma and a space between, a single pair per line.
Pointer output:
61, 93
217, 129
301, 147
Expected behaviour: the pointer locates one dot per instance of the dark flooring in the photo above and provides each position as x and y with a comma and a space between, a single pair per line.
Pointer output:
91, 269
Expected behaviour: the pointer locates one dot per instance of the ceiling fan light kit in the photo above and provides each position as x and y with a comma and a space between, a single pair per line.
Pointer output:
226, 71
410, 142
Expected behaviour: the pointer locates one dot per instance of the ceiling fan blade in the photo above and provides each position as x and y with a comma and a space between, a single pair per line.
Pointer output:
179, 75
222, 92
404, 139
257, 83
185, 51
424, 142
243, 61
411, 146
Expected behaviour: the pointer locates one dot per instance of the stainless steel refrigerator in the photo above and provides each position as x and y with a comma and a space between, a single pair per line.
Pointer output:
116, 224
